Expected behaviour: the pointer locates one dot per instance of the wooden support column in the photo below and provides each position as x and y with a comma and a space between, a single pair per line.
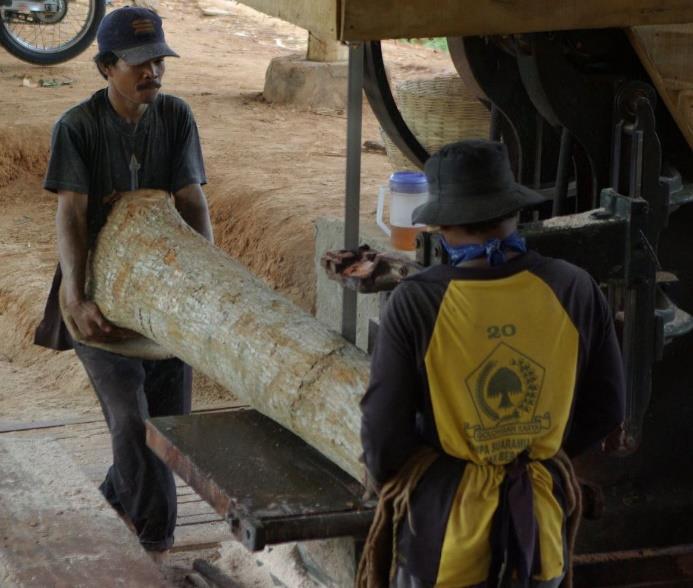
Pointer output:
325, 50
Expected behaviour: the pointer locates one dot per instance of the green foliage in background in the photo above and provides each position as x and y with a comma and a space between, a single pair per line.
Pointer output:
437, 43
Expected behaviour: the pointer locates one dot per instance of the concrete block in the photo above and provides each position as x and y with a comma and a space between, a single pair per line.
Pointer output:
308, 85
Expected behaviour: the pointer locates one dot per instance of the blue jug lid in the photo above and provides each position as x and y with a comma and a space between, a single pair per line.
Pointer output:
408, 182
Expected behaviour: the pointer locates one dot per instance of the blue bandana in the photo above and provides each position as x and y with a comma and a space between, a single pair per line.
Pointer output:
493, 249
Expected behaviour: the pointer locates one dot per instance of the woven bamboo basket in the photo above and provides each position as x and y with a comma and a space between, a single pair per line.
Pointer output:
438, 111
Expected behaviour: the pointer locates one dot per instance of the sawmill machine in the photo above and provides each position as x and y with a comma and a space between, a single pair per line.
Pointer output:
586, 124
598, 116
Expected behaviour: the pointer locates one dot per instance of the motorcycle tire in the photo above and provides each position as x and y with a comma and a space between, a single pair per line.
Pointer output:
72, 48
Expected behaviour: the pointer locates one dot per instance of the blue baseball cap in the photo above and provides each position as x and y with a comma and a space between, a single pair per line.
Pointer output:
134, 34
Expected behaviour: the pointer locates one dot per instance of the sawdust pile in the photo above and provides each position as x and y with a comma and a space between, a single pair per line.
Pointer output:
23, 151
26, 248
272, 240
27, 262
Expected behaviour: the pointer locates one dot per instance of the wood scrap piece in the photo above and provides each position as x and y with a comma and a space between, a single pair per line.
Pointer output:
154, 275
196, 580
214, 574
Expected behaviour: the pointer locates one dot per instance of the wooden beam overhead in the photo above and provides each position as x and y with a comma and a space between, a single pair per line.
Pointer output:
318, 16
391, 19
365, 20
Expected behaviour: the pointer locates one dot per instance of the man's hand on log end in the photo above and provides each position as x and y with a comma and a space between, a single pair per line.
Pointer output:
93, 326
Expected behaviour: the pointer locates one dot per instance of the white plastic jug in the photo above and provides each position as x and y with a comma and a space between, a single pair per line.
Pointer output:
407, 189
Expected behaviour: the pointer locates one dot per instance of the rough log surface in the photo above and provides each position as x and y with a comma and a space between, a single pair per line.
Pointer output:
154, 275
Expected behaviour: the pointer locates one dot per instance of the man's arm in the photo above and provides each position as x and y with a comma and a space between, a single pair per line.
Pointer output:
71, 225
192, 205
388, 423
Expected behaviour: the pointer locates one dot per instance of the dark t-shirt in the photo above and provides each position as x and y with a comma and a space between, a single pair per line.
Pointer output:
95, 152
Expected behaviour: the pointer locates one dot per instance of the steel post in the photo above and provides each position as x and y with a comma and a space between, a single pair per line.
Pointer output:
353, 179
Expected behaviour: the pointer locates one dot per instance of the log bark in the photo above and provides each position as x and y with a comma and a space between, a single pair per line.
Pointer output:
153, 274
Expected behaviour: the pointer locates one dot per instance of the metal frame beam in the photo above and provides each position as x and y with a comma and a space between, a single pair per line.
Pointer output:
352, 204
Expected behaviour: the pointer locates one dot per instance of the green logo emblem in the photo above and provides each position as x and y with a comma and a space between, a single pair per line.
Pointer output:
505, 389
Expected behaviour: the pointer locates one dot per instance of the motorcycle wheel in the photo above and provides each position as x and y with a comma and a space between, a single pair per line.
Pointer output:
55, 38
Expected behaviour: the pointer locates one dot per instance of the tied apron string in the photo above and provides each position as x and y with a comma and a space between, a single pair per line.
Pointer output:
514, 529
493, 249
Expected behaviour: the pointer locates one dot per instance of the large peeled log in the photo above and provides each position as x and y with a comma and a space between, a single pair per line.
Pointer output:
153, 274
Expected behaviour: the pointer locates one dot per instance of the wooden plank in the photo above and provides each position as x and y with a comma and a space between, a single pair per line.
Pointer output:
203, 529
11, 427
365, 20
57, 530
198, 528
199, 507
319, 16
667, 54
392, 19
199, 519
188, 496
199, 537
96, 420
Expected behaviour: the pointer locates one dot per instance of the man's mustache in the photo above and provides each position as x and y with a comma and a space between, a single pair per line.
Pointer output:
148, 86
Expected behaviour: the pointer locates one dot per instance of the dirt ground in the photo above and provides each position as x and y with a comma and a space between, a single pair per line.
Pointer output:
272, 171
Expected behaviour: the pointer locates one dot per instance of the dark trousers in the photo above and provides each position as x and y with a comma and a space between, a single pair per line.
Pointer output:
130, 391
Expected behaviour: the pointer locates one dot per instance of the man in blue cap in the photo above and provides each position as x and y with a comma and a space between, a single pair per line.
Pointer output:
125, 137
486, 373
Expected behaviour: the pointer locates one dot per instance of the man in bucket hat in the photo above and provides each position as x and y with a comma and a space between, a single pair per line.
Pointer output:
125, 137
486, 372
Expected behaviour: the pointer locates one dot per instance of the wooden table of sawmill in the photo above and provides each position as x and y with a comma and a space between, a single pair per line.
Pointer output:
269, 484
57, 529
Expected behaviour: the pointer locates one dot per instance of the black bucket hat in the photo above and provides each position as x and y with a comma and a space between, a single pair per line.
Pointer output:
471, 182
134, 34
